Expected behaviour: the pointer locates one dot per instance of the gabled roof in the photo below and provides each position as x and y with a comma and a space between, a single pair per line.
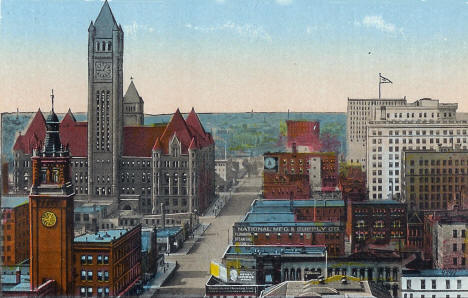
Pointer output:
139, 140
34, 134
105, 22
132, 96
74, 135
196, 128
176, 126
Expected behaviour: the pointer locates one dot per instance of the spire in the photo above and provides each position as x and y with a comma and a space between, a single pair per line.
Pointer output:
105, 22
52, 98
52, 144
132, 94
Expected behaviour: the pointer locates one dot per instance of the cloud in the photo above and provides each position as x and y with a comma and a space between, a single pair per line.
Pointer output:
134, 28
249, 31
284, 2
378, 23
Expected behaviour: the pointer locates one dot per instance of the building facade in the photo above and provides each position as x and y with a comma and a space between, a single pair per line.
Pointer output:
434, 283
298, 173
360, 111
416, 127
450, 239
435, 179
15, 228
107, 263
378, 223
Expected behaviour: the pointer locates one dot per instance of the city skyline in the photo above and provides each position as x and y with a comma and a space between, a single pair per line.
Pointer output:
293, 55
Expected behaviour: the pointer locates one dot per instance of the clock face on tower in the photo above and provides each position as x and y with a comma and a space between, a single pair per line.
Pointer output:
102, 70
48, 219
271, 163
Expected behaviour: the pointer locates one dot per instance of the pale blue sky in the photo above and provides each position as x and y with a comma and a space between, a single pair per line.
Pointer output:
264, 55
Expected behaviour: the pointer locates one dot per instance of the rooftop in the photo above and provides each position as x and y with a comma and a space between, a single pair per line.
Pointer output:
378, 202
89, 209
280, 219
102, 236
435, 273
284, 205
276, 250
12, 202
169, 231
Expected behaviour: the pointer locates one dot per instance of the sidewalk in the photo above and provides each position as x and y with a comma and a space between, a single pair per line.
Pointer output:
164, 273
188, 244
218, 205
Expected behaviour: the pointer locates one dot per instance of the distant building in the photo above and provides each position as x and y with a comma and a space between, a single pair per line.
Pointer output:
435, 179
377, 223
449, 242
358, 113
424, 124
288, 222
352, 182
15, 228
296, 174
107, 263
224, 169
89, 218
434, 283
303, 136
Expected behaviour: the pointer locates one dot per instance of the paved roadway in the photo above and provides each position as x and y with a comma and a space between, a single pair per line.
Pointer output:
193, 271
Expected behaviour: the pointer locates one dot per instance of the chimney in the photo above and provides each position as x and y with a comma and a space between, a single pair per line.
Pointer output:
163, 214
18, 275
294, 148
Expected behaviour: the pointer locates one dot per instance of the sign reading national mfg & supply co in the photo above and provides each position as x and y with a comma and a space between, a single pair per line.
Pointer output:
243, 228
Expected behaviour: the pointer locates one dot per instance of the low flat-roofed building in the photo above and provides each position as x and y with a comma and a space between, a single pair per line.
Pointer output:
107, 263
434, 283
170, 239
284, 222
336, 287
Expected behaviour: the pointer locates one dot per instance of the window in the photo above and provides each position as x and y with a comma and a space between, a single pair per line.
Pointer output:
90, 291
90, 275
99, 292
454, 261
423, 284
83, 274
90, 259
454, 247
83, 292
106, 275
83, 259
408, 283
99, 276
106, 291
447, 284
106, 259
458, 284
99, 259
433, 284
454, 232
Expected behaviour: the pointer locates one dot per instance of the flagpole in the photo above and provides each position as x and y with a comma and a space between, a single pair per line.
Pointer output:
380, 82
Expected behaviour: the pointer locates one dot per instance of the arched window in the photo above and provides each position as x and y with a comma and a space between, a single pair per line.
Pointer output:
298, 274
292, 275
103, 45
109, 46
98, 48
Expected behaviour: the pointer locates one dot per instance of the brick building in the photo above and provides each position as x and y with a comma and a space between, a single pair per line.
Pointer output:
15, 227
107, 263
450, 239
303, 136
352, 182
299, 174
275, 222
435, 179
112, 153
377, 222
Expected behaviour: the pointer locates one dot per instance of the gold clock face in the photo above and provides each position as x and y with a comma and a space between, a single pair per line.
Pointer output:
48, 219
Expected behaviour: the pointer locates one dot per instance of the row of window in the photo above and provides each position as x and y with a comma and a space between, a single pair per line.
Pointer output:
88, 275
433, 284
88, 259
88, 291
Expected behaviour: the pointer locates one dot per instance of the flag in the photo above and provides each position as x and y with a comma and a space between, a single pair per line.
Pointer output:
384, 80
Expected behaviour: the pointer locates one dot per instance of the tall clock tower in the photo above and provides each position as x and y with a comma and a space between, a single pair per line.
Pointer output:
105, 104
51, 212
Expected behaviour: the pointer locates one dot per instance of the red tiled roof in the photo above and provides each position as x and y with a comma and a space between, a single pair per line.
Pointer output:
196, 128
34, 134
178, 127
75, 135
139, 140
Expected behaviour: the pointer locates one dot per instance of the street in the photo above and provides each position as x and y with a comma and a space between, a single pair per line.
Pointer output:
193, 271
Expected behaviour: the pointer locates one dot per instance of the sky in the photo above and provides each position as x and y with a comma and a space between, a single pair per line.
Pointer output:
239, 55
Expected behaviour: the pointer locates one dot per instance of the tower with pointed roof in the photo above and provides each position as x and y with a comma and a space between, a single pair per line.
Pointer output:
132, 107
51, 212
105, 104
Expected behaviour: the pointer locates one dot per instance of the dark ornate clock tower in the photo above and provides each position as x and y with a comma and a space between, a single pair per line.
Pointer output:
51, 212
105, 104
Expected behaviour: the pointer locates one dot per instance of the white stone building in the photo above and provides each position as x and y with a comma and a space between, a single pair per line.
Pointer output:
359, 112
424, 124
434, 283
